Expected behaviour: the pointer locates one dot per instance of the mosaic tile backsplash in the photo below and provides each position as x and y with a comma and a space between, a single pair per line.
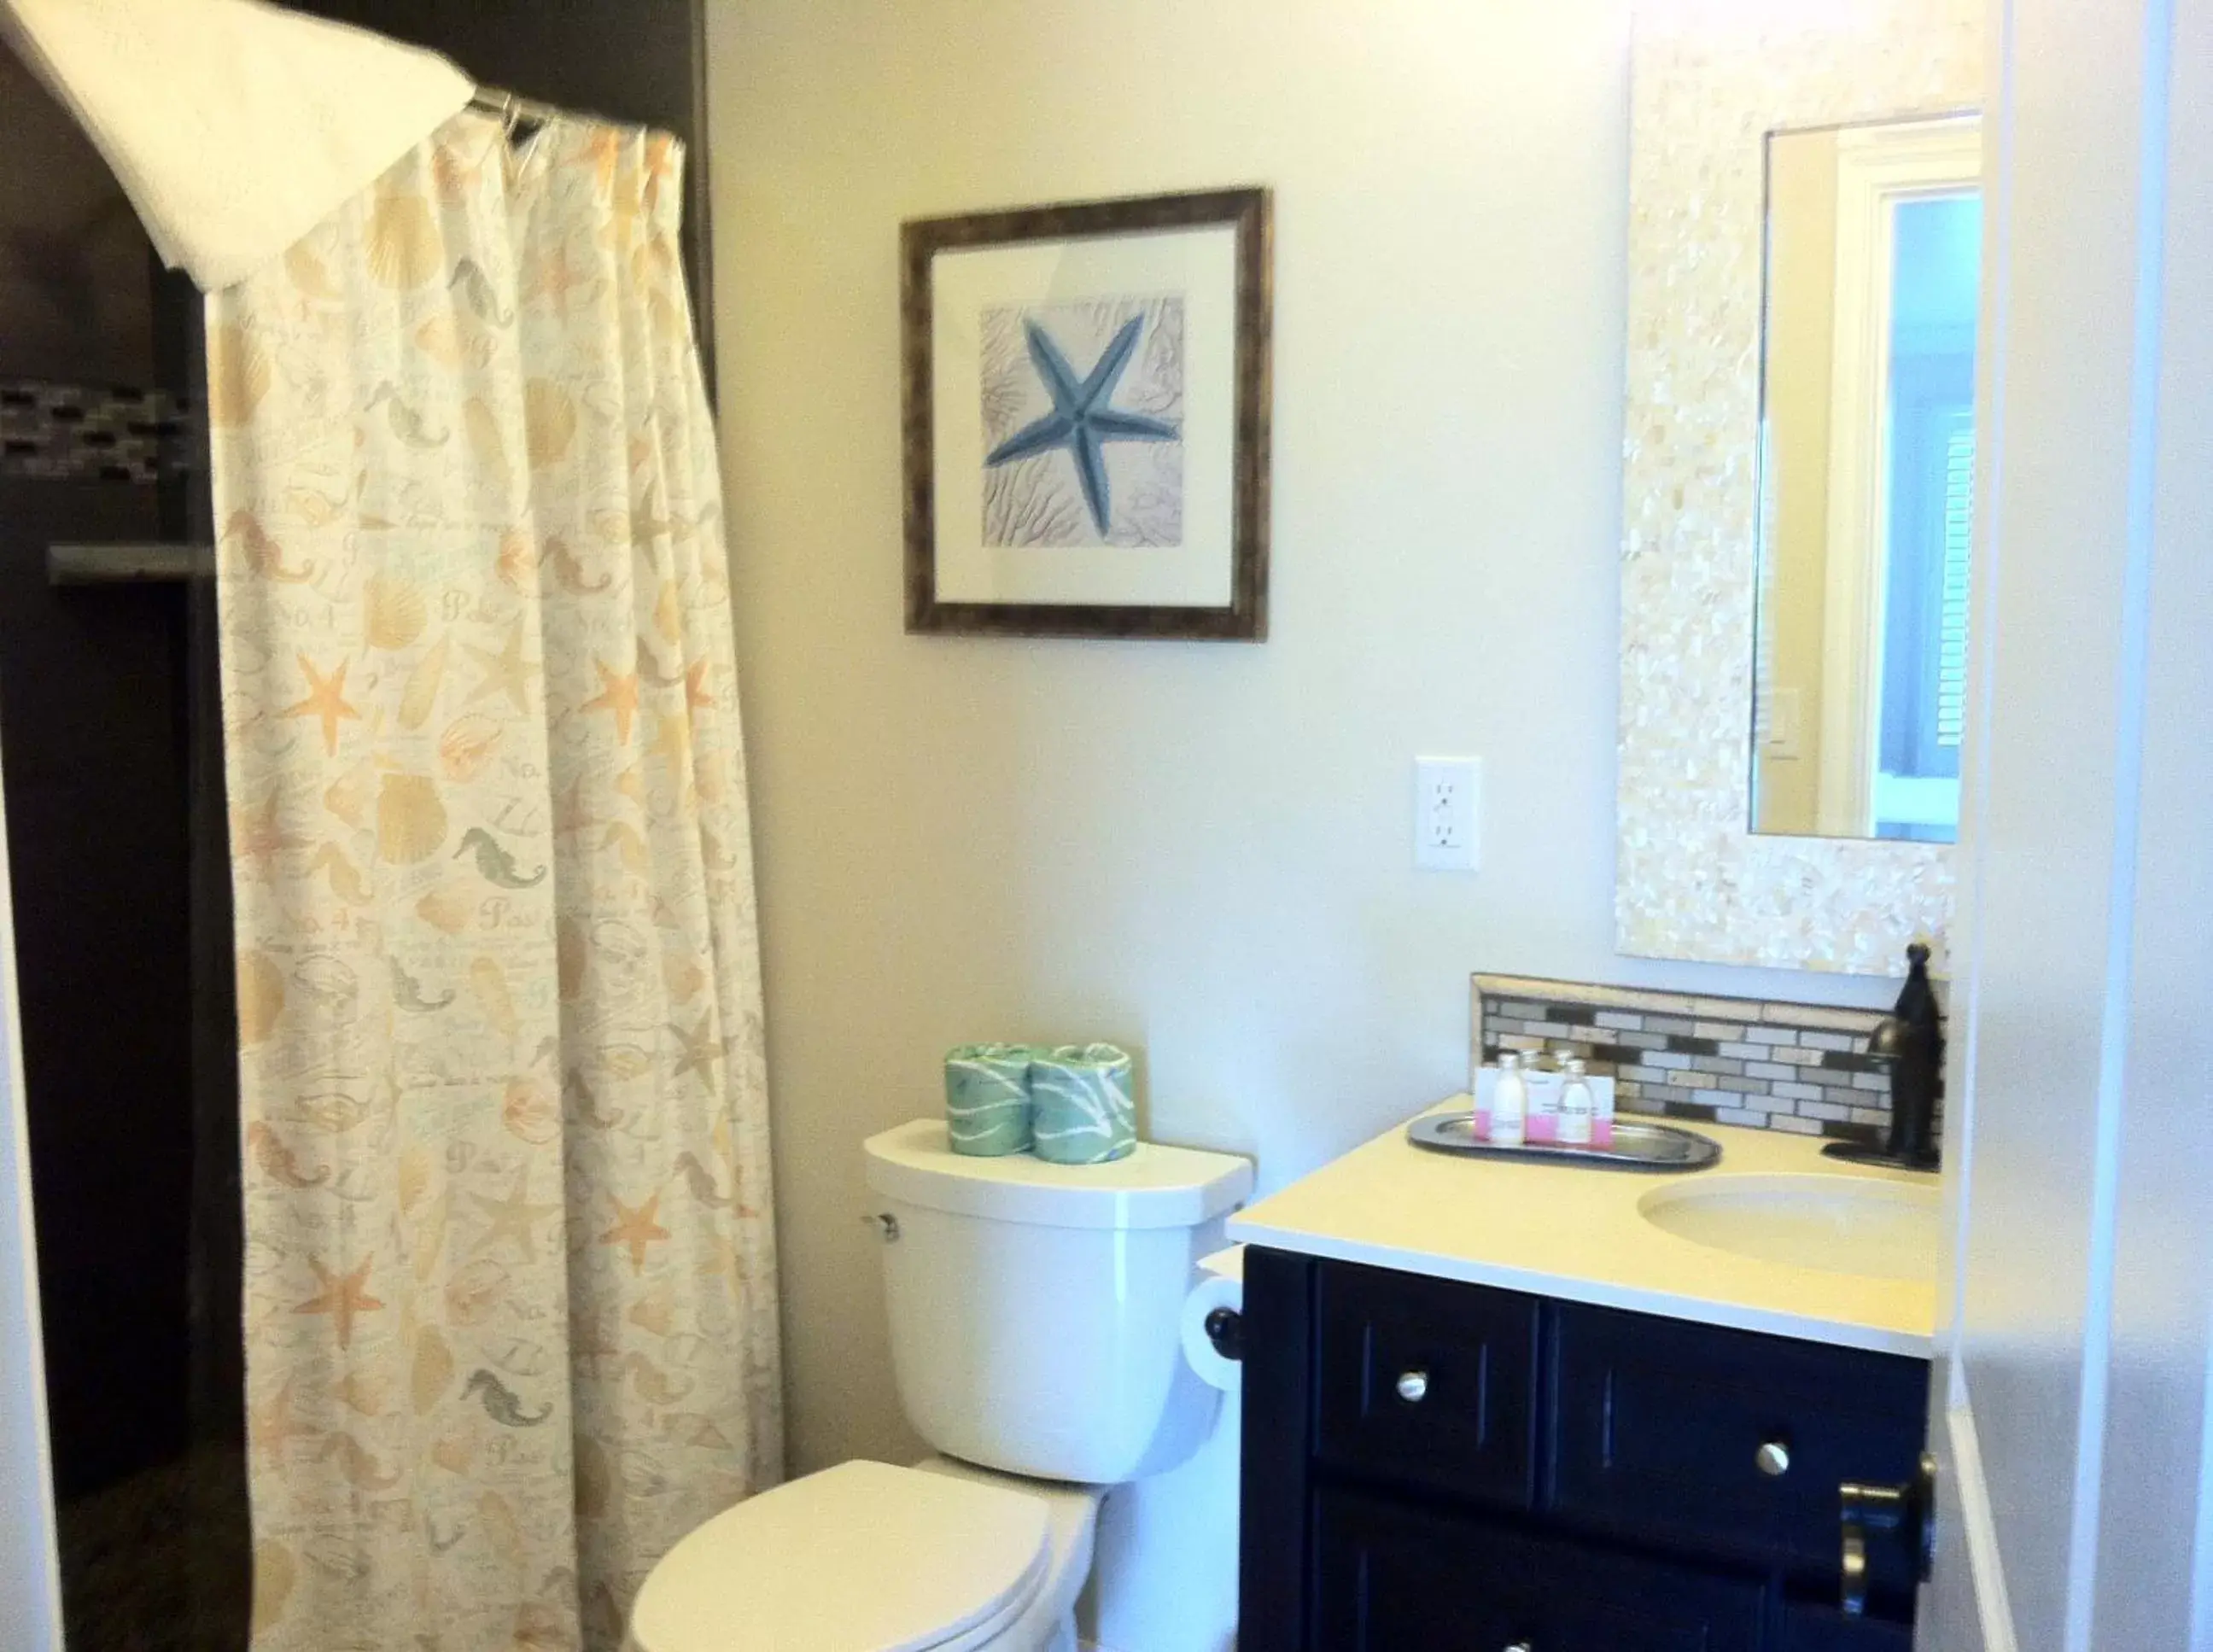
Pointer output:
1756, 1062
89, 433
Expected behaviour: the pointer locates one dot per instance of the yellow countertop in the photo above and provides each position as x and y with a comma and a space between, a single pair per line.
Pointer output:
1578, 1235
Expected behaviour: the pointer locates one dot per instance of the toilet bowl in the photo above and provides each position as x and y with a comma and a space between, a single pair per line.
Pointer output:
1035, 1337
940, 1558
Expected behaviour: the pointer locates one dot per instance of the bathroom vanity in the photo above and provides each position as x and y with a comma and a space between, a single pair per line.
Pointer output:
1497, 1407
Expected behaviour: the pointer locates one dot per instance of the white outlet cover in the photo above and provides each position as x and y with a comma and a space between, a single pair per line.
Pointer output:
1447, 814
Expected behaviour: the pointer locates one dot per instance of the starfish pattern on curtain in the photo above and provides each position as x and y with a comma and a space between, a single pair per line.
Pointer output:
510, 1276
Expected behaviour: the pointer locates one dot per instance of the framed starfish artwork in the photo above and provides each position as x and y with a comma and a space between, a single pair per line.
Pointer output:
1086, 406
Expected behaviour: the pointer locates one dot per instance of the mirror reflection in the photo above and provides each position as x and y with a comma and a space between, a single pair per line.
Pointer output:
1874, 263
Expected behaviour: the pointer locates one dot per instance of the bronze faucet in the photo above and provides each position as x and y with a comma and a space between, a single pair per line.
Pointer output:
1911, 1038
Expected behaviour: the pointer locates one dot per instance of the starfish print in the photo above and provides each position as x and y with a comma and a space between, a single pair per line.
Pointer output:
701, 1053
1083, 419
325, 701
635, 1229
506, 670
513, 1217
343, 1296
259, 837
618, 694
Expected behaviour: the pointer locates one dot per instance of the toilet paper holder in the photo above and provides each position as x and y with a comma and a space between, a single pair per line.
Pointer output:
1225, 1329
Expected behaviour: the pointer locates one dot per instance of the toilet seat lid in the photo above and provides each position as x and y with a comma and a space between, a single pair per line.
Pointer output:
861, 1558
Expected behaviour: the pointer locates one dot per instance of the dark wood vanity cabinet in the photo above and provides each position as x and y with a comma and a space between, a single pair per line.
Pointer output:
1472, 1430
1431, 1467
1394, 1577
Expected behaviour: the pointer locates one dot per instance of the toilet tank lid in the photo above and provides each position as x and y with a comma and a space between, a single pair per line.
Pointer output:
1155, 1187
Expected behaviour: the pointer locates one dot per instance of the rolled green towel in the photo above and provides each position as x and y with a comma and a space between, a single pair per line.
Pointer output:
987, 1098
1084, 1113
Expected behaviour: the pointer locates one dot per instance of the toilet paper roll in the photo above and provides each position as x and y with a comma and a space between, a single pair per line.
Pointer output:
987, 1098
1210, 1294
1084, 1112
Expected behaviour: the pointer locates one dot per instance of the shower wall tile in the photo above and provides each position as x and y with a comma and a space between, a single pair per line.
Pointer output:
91, 433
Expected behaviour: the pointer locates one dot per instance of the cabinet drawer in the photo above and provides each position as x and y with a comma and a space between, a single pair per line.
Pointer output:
1660, 1425
1427, 1382
1394, 1579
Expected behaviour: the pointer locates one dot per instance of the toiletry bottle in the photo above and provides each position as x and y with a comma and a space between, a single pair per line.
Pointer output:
1509, 1102
1576, 1107
1542, 1075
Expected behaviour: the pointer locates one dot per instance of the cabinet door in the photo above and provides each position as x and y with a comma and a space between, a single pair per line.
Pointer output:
1391, 1578
1427, 1382
1721, 1440
1274, 1536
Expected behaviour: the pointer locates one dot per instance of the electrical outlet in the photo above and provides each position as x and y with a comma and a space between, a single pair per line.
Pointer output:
1448, 806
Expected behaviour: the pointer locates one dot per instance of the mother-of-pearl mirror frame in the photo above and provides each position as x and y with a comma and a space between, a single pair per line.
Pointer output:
1710, 79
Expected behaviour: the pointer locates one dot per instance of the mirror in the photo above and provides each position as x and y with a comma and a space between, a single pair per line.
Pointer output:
1866, 452
1799, 337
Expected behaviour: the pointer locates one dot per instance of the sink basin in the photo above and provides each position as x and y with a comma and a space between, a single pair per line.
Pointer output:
1838, 1224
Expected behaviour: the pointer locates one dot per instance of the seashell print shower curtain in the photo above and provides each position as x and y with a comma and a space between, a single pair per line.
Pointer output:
509, 1279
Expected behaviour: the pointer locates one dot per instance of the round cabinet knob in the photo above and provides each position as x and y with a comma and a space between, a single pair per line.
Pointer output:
1413, 1387
1774, 1459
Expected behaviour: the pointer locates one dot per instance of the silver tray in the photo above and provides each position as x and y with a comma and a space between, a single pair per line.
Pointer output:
1635, 1146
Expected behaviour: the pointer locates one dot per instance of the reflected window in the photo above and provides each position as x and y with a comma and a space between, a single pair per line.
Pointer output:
1937, 275
1874, 271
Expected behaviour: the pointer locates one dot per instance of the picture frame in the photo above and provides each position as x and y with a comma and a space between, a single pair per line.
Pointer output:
1086, 395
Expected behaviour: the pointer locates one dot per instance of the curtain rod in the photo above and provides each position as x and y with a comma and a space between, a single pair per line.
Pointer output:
512, 111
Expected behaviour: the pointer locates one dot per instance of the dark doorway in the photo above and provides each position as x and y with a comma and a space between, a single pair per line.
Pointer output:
110, 768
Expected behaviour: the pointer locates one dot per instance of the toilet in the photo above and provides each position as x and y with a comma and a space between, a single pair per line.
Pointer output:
1034, 1313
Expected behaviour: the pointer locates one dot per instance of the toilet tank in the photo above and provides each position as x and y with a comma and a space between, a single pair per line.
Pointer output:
1034, 1306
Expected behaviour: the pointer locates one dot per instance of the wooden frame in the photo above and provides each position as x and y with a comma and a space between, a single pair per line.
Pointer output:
1244, 618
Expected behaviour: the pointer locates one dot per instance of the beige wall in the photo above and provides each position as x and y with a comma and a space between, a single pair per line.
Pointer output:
1201, 850
1800, 345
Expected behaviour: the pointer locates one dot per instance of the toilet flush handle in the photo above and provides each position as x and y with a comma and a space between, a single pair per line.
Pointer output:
885, 1223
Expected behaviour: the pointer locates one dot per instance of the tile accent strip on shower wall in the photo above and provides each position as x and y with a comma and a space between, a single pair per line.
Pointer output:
89, 433
1756, 1062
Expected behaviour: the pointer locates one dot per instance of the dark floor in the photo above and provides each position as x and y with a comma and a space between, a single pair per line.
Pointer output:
134, 1576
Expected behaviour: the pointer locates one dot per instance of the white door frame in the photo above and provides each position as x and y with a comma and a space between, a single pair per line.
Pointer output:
30, 1572
1877, 166
2073, 1405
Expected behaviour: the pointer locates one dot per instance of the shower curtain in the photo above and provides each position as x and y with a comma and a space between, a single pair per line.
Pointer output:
509, 1306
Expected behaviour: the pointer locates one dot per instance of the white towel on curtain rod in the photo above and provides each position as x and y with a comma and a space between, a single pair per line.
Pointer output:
235, 127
